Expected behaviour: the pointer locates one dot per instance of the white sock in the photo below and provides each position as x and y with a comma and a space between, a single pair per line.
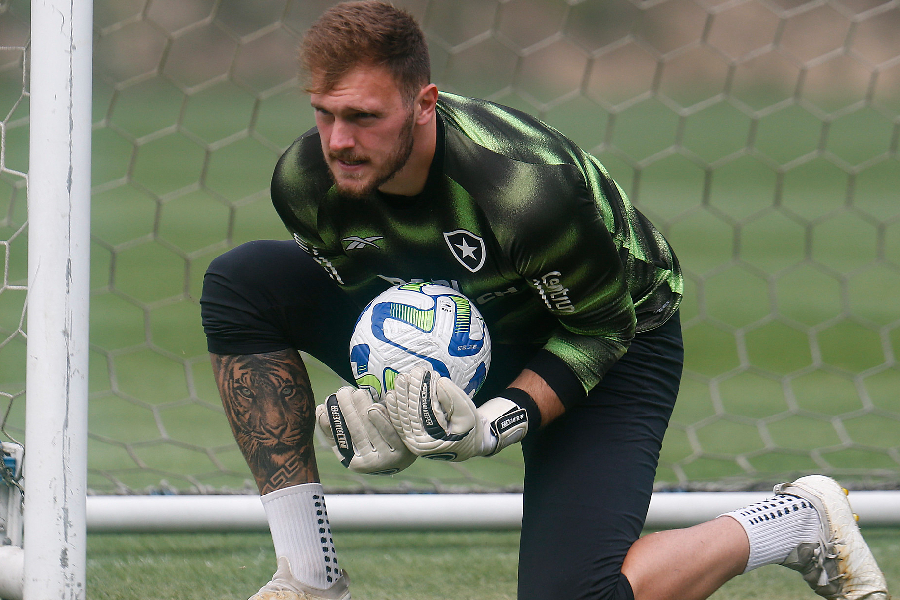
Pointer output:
775, 527
301, 533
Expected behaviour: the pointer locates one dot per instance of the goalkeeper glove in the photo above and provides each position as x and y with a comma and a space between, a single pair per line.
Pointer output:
438, 420
360, 434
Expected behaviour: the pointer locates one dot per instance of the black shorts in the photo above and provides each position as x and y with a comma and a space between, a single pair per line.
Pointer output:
588, 475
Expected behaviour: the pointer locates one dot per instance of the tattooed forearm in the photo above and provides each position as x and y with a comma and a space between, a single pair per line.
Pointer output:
269, 403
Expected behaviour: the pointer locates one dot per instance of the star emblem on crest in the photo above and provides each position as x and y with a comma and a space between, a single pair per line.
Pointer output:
467, 248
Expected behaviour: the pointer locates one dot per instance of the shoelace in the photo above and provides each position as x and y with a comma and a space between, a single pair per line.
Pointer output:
821, 553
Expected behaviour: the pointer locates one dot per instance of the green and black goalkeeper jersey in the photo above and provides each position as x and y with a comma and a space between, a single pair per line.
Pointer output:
513, 215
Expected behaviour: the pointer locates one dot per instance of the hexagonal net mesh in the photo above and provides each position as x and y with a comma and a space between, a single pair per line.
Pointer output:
759, 135
13, 282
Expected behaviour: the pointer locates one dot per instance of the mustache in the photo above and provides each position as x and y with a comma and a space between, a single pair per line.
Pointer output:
347, 156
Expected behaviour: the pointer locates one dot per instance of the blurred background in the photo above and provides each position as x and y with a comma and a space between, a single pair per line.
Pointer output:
760, 136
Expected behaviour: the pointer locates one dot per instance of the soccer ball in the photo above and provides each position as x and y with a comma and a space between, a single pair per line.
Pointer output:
420, 324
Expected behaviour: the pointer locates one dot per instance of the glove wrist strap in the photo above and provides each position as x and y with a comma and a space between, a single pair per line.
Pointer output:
510, 417
524, 400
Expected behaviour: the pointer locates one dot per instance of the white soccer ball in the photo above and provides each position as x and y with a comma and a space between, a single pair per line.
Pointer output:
420, 323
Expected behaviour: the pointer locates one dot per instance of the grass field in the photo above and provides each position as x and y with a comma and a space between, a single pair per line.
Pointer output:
382, 565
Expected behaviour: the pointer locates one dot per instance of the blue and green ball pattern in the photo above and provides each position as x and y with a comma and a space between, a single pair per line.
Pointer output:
406, 325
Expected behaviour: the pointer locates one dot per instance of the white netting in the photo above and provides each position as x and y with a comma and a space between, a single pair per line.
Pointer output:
13, 284
761, 136
13, 242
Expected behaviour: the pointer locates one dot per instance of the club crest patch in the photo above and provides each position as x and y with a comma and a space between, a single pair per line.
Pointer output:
467, 247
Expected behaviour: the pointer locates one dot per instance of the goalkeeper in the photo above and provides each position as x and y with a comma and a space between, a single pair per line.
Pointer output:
400, 183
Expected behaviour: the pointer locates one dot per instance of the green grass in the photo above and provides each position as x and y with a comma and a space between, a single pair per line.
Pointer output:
382, 565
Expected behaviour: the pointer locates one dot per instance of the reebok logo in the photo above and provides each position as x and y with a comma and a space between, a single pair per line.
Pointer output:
354, 242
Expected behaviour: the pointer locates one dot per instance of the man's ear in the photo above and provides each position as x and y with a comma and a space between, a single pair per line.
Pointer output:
425, 103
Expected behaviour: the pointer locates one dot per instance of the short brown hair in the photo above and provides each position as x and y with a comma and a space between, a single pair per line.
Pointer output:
370, 33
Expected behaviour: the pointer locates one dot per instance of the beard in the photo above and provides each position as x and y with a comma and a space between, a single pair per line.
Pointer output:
394, 163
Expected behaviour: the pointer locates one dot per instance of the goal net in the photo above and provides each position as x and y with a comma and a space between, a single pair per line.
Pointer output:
13, 285
759, 135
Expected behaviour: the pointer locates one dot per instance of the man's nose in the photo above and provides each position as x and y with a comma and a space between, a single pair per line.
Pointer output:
342, 136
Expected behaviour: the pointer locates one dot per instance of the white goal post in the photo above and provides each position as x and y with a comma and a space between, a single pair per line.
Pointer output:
53, 563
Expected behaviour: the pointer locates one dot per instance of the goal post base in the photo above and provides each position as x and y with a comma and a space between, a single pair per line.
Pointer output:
11, 494
12, 568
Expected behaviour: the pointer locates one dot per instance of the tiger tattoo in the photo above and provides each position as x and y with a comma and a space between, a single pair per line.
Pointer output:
270, 405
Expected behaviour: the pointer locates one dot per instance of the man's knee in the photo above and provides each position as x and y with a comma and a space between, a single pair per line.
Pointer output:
248, 263
241, 293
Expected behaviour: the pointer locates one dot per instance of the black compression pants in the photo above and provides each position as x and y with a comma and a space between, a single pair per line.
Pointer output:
588, 475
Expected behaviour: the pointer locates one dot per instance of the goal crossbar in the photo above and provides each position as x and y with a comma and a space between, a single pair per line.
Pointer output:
362, 512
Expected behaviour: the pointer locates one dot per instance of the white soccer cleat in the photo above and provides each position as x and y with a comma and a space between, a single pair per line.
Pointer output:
284, 587
839, 565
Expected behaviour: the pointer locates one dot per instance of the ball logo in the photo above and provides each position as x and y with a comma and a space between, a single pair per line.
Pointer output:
467, 248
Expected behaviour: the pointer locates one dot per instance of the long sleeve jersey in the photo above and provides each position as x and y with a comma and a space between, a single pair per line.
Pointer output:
513, 215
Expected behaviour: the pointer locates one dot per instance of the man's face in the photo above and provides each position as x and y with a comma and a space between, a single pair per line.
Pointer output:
365, 128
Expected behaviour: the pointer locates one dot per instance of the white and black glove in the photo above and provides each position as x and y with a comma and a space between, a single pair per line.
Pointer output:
360, 433
438, 420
